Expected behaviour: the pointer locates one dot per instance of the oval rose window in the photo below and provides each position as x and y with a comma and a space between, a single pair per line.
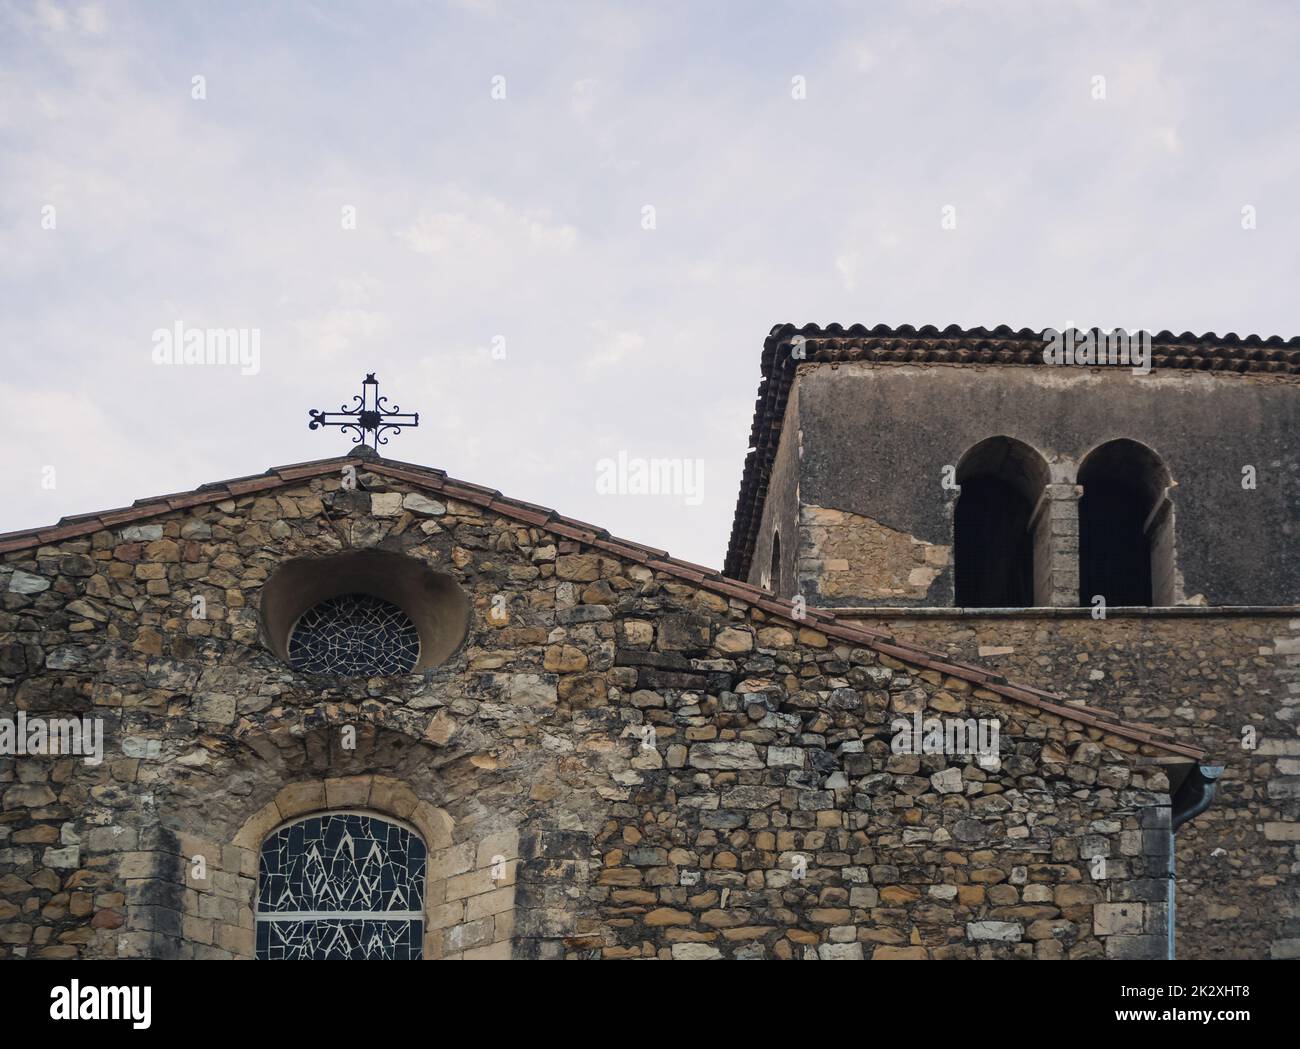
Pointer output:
363, 613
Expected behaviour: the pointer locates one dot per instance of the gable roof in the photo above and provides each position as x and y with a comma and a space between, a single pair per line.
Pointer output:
434, 480
1229, 353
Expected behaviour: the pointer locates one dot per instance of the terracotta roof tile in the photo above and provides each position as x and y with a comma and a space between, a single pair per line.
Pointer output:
296, 473
133, 513
632, 551
523, 504
70, 531
255, 484
771, 604
585, 526
23, 538
740, 591
231, 481
71, 519
476, 489
383, 464
690, 566
522, 511
180, 502
561, 527
429, 478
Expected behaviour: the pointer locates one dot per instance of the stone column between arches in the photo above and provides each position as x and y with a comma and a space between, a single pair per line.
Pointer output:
470, 885
1054, 524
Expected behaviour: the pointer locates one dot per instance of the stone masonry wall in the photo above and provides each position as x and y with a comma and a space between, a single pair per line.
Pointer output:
1231, 681
844, 555
615, 763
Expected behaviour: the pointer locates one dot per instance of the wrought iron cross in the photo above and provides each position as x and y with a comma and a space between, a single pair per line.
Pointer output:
370, 415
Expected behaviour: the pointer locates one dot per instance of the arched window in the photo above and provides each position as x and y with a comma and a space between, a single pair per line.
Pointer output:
775, 571
341, 885
1125, 526
996, 533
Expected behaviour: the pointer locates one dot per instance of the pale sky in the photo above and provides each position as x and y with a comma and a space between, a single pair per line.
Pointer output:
520, 219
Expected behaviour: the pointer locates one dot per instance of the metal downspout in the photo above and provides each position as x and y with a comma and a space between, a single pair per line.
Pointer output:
1194, 796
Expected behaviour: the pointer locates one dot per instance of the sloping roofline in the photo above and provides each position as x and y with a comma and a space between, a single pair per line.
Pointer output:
953, 345
434, 480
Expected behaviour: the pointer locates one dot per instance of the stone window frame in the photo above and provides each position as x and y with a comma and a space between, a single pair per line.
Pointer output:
470, 884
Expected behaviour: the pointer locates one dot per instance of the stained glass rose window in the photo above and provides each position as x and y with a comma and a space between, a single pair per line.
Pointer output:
354, 635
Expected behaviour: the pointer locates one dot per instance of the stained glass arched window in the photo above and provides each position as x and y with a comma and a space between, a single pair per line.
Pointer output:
341, 885
354, 635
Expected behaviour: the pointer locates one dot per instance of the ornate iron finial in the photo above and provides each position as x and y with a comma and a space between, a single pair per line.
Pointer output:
370, 415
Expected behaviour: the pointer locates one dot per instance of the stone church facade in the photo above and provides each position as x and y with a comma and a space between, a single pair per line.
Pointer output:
870, 444
356, 707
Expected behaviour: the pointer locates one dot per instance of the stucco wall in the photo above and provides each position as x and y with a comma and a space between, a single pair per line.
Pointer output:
876, 439
781, 508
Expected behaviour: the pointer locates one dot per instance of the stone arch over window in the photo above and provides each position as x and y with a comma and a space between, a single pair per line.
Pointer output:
341, 885
198, 887
362, 613
1001, 543
1126, 526
468, 908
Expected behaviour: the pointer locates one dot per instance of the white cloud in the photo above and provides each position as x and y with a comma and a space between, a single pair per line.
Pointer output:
92, 19
612, 348
487, 230
342, 330
584, 97
51, 16
846, 265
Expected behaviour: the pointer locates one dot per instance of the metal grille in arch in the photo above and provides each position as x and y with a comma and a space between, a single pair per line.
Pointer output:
341, 886
354, 635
